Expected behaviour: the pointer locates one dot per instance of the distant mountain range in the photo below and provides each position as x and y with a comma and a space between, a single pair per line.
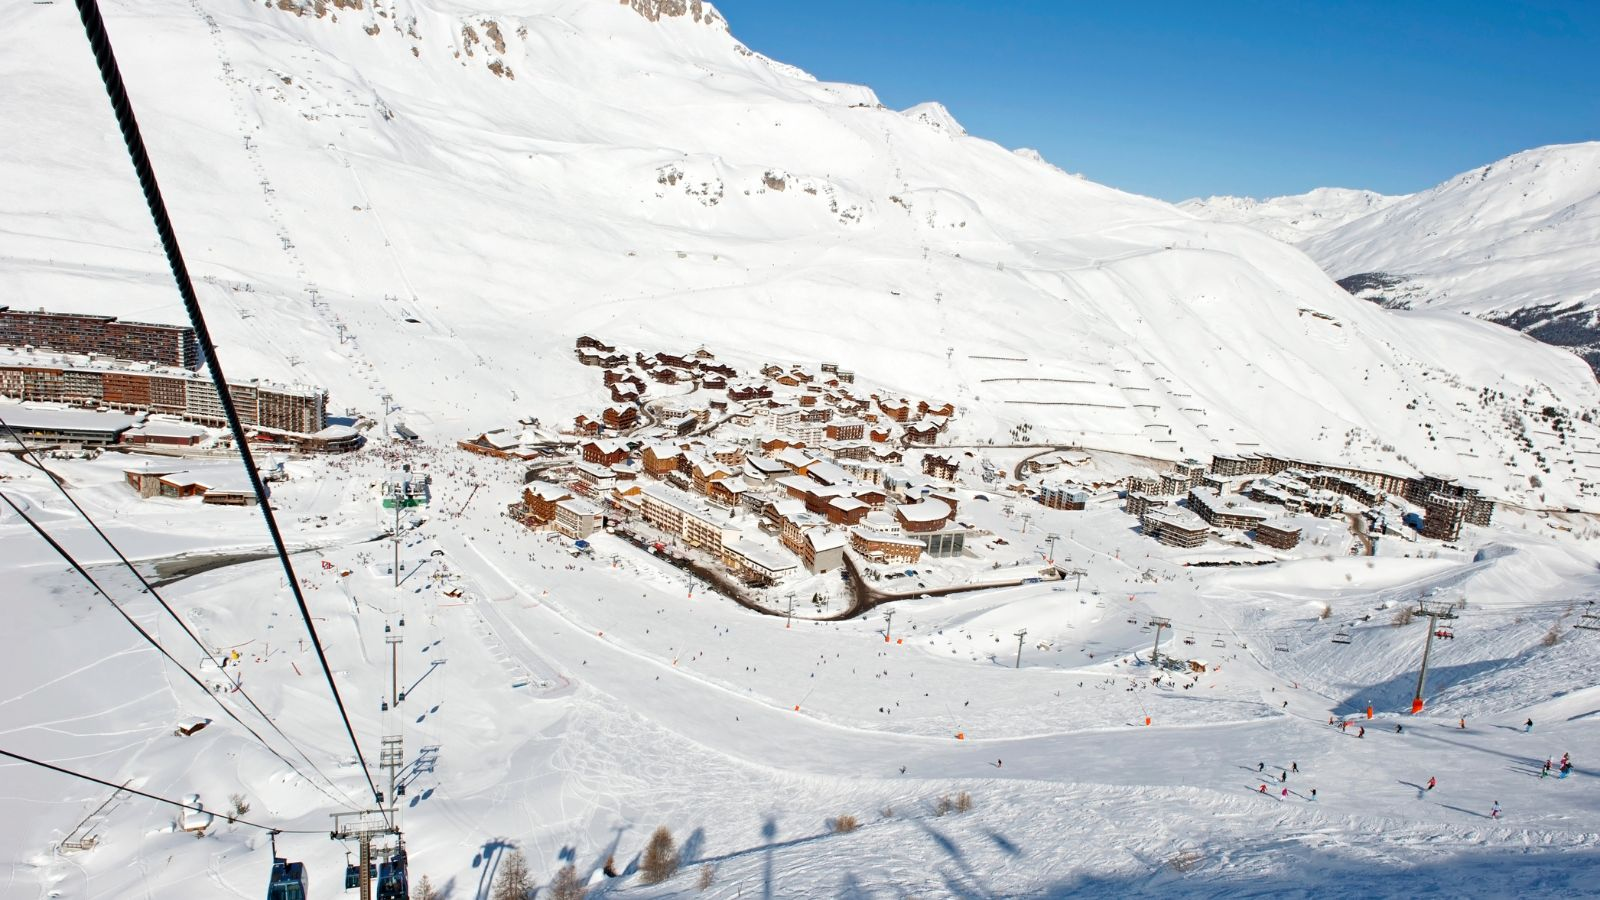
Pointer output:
1516, 242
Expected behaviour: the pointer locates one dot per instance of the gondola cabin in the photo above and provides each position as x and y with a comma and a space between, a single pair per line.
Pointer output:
392, 879
288, 880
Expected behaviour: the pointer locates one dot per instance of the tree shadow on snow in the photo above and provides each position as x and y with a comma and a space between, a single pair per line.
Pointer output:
1320, 874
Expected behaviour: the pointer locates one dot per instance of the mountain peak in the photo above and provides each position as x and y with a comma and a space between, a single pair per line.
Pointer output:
936, 116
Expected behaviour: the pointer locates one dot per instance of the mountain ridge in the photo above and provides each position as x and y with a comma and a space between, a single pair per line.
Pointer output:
386, 213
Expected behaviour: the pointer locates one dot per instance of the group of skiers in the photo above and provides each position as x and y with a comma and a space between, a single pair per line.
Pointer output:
1283, 778
1564, 768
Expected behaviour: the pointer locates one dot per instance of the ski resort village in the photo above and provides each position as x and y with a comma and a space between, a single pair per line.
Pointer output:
551, 449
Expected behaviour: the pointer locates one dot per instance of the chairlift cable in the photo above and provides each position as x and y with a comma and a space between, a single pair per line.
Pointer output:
136, 792
150, 639
151, 590
95, 30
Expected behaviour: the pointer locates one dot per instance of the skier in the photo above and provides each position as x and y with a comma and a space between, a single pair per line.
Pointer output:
999, 763
1362, 733
1494, 811
1263, 789
1527, 726
1398, 729
1463, 723
1313, 794
1565, 768
1294, 767
1282, 777
1431, 783
1261, 766
1285, 794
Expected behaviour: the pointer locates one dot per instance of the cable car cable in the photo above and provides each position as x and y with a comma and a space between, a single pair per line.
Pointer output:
151, 590
100, 42
135, 791
84, 573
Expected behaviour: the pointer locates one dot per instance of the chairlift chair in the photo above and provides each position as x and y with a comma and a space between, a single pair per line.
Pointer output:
1588, 621
1219, 643
1189, 640
1280, 645
1341, 637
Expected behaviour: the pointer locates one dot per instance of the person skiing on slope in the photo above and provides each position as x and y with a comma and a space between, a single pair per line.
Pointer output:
1527, 726
1362, 733
1294, 767
1285, 793
1313, 794
1431, 783
1261, 766
1494, 811
1263, 789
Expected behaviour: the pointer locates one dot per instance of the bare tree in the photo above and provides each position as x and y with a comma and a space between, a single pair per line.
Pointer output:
660, 860
566, 885
425, 890
513, 882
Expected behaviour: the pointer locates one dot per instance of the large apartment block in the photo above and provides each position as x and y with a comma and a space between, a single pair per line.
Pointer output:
175, 391
162, 345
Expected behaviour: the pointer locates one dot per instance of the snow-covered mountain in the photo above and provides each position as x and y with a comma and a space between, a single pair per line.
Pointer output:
432, 198
1294, 218
1512, 242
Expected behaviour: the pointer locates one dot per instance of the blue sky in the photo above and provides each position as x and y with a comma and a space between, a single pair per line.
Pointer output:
1182, 99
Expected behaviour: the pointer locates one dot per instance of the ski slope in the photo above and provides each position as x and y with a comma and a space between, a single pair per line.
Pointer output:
567, 706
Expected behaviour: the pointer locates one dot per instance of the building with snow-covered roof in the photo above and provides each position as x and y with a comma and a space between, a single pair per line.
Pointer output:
1278, 533
881, 546
757, 564
697, 524
577, 518
69, 426
823, 550
1221, 512
1064, 496
1175, 527
927, 515
845, 510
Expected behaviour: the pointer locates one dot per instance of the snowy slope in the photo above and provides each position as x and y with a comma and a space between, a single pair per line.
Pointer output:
1296, 217
1512, 242
465, 192
1516, 233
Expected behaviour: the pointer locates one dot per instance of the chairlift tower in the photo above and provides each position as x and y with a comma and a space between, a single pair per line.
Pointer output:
1436, 611
364, 828
1020, 636
1158, 623
1051, 538
888, 624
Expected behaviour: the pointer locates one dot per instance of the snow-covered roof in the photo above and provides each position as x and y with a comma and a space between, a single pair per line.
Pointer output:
761, 556
925, 511
821, 540
883, 537
25, 418
578, 506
